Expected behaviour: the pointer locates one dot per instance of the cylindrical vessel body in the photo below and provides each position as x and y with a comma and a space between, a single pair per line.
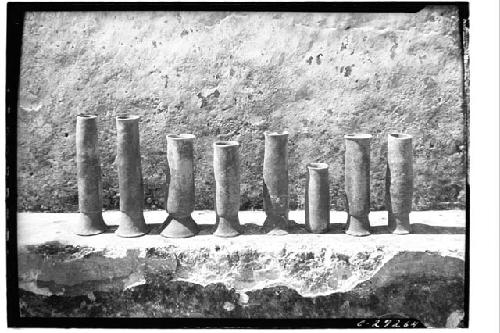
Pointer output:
317, 198
357, 183
275, 189
88, 177
399, 182
227, 188
180, 186
128, 159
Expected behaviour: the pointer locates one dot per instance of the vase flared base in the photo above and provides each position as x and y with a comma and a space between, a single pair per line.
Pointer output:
90, 224
131, 225
358, 226
227, 227
399, 224
399, 231
180, 227
276, 225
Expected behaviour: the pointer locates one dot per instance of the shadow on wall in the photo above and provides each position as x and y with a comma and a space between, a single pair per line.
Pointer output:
295, 228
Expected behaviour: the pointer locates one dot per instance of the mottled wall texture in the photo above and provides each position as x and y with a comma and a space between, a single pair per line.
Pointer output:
234, 75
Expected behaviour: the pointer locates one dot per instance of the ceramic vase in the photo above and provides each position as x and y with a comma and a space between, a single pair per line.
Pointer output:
357, 183
227, 188
128, 159
399, 182
88, 177
275, 187
317, 205
180, 187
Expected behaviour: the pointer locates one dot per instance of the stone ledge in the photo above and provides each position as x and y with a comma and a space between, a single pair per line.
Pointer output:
53, 262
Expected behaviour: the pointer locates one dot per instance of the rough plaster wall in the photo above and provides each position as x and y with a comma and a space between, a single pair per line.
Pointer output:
233, 76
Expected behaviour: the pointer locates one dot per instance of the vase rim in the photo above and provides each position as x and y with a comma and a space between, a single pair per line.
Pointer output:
357, 136
275, 133
226, 143
317, 166
181, 136
86, 116
399, 136
126, 117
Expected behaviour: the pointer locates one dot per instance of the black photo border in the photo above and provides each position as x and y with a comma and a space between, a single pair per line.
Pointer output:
15, 18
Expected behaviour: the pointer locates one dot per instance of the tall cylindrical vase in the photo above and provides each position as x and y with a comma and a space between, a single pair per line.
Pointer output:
275, 189
317, 198
227, 188
357, 183
399, 182
180, 187
128, 158
88, 177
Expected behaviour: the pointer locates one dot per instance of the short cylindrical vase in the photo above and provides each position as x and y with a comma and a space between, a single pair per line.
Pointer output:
317, 208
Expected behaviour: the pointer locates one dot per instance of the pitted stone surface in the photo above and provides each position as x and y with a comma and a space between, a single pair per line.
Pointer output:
232, 76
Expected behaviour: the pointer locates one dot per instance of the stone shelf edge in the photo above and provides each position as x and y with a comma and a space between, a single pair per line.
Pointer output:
312, 264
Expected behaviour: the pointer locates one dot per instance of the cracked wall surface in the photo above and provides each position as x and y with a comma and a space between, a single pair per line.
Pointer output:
66, 281
299, 275
233, 75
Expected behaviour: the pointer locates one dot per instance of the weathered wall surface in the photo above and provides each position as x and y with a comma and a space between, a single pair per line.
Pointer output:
235, 75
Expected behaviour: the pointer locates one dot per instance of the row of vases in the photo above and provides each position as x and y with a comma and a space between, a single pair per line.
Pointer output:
181, 185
